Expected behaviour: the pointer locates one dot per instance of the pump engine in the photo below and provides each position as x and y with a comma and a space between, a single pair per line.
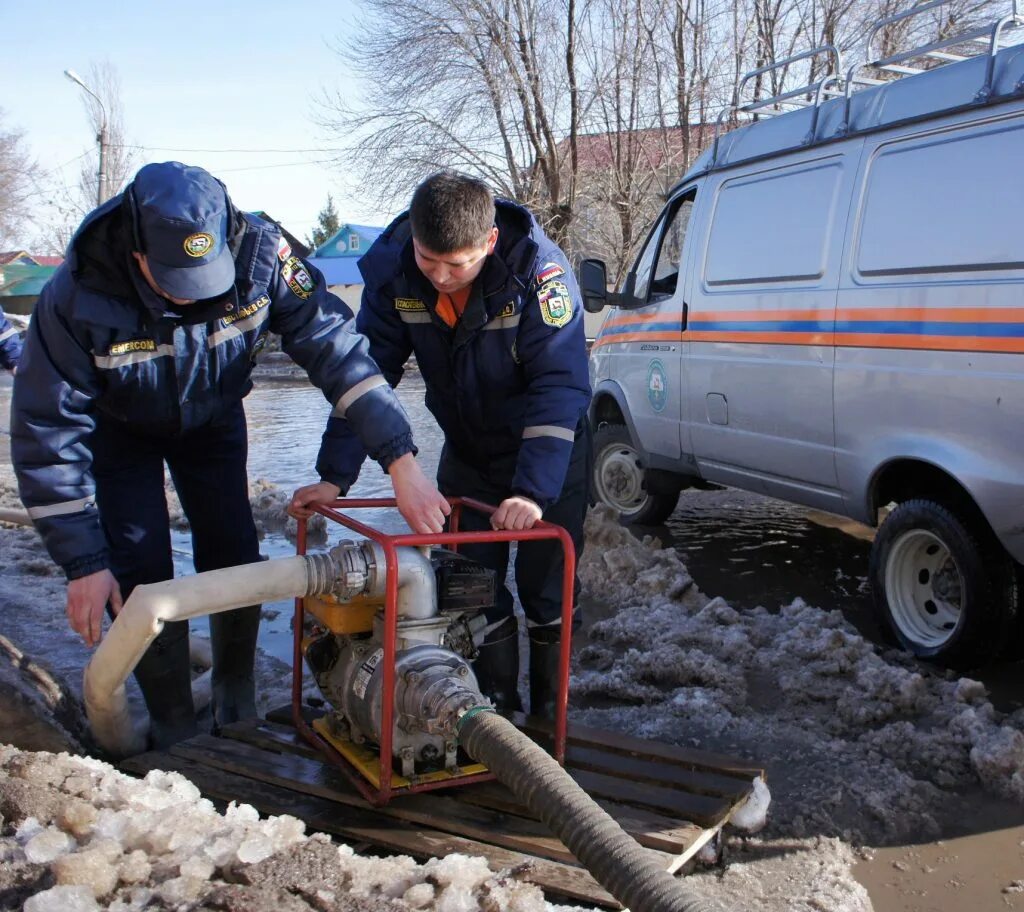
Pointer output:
441, 602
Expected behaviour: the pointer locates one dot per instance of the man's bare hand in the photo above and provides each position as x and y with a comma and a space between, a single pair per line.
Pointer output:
422, 506
87, 599
305, 498
516, 513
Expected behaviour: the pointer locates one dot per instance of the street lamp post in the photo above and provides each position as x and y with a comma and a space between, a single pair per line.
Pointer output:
101, 138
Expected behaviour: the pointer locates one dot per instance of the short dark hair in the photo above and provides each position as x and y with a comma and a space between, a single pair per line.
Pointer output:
451, 211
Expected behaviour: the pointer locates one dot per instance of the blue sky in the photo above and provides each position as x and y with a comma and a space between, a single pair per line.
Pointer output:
225, 75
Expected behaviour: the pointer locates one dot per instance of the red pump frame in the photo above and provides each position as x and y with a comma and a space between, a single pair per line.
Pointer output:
542, 530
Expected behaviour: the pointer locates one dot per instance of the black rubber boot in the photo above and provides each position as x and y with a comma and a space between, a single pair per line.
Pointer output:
233, 644
497, 667
545, 649
165, 678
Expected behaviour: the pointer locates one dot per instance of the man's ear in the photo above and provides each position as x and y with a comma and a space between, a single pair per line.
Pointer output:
492, 240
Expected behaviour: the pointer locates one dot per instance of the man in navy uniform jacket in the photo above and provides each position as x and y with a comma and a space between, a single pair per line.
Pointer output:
139, 352
488, 305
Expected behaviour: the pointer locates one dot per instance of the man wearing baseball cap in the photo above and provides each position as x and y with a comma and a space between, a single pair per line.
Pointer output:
139, 354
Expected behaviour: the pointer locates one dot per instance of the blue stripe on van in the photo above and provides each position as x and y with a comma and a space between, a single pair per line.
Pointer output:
924, 328
762, 326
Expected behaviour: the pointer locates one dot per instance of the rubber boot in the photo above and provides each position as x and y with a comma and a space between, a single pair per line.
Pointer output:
497, 667
233, 644
165, 678
545, 651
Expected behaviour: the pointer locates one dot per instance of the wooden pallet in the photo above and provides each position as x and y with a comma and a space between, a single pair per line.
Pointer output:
670, 799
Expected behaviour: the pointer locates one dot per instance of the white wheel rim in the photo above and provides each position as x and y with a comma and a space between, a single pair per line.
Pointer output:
924, 588
619, 478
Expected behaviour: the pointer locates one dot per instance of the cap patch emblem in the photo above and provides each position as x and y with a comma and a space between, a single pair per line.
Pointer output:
555, 304
197, 245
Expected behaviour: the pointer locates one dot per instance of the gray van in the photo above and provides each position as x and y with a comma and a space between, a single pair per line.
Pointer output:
830, 310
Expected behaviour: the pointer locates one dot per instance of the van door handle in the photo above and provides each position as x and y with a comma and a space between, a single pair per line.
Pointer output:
686, 312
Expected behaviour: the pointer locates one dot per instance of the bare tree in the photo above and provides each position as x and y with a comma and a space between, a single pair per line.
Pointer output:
484, 86
18, 177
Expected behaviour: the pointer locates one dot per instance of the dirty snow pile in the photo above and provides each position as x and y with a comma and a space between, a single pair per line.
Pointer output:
871, 744
79, 836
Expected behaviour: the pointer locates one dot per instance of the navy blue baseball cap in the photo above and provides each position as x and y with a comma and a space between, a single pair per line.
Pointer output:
182, 225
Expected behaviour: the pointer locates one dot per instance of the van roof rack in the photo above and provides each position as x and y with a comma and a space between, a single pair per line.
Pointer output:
813, 93
985, 37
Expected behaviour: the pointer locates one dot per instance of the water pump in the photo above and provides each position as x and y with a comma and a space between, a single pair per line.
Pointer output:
442, 597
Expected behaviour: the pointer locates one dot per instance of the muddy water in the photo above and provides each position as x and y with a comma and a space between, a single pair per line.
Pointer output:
754, 551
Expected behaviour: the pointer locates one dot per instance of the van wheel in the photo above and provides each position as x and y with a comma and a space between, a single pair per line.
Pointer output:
620, 479
941, 589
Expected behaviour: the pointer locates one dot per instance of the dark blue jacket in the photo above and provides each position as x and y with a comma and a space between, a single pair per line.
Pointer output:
102, 342
10, 343
509, 385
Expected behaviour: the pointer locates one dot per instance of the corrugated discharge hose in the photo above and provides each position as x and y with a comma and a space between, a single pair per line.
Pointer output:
624, 868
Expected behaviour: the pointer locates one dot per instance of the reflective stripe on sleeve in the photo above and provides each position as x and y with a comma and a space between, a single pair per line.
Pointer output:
361, 388
61, 509
236, 329
111, 362
548, 430
7, 333
503, 322
414, 316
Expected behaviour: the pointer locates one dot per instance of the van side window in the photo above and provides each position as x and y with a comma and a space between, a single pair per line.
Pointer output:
657, 270
773, 227
921, 214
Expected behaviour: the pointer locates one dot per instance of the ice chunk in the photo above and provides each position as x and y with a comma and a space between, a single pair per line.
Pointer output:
201, 868
28, 828
62, 899
134, 868
51, 843
91, 868
255, 848
77, 818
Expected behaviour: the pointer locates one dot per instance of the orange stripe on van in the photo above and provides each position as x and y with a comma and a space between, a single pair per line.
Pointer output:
934, 343
770, 338
932, 314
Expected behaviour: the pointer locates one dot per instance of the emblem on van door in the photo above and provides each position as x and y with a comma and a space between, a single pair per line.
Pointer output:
657, 386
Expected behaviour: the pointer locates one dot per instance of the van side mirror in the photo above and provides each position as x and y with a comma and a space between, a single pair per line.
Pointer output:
593, 278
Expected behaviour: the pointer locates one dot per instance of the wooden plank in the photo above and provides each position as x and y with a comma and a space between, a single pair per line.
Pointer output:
356, 824
650, 829
616, 742
700, 809
312, 777
654, 831
654, 771
638, 747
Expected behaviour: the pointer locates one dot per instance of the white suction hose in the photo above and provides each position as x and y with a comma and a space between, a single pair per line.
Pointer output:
15, 517
151, 606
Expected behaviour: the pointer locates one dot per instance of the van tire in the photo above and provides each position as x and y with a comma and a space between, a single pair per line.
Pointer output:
943, 588
619, 480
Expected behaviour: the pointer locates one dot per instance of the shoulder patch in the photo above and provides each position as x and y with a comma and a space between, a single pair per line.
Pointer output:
294, 272
555, 303
284, 249
549, 271
410, 304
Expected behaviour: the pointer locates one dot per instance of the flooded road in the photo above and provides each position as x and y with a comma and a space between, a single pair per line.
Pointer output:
748, 549
755, 551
